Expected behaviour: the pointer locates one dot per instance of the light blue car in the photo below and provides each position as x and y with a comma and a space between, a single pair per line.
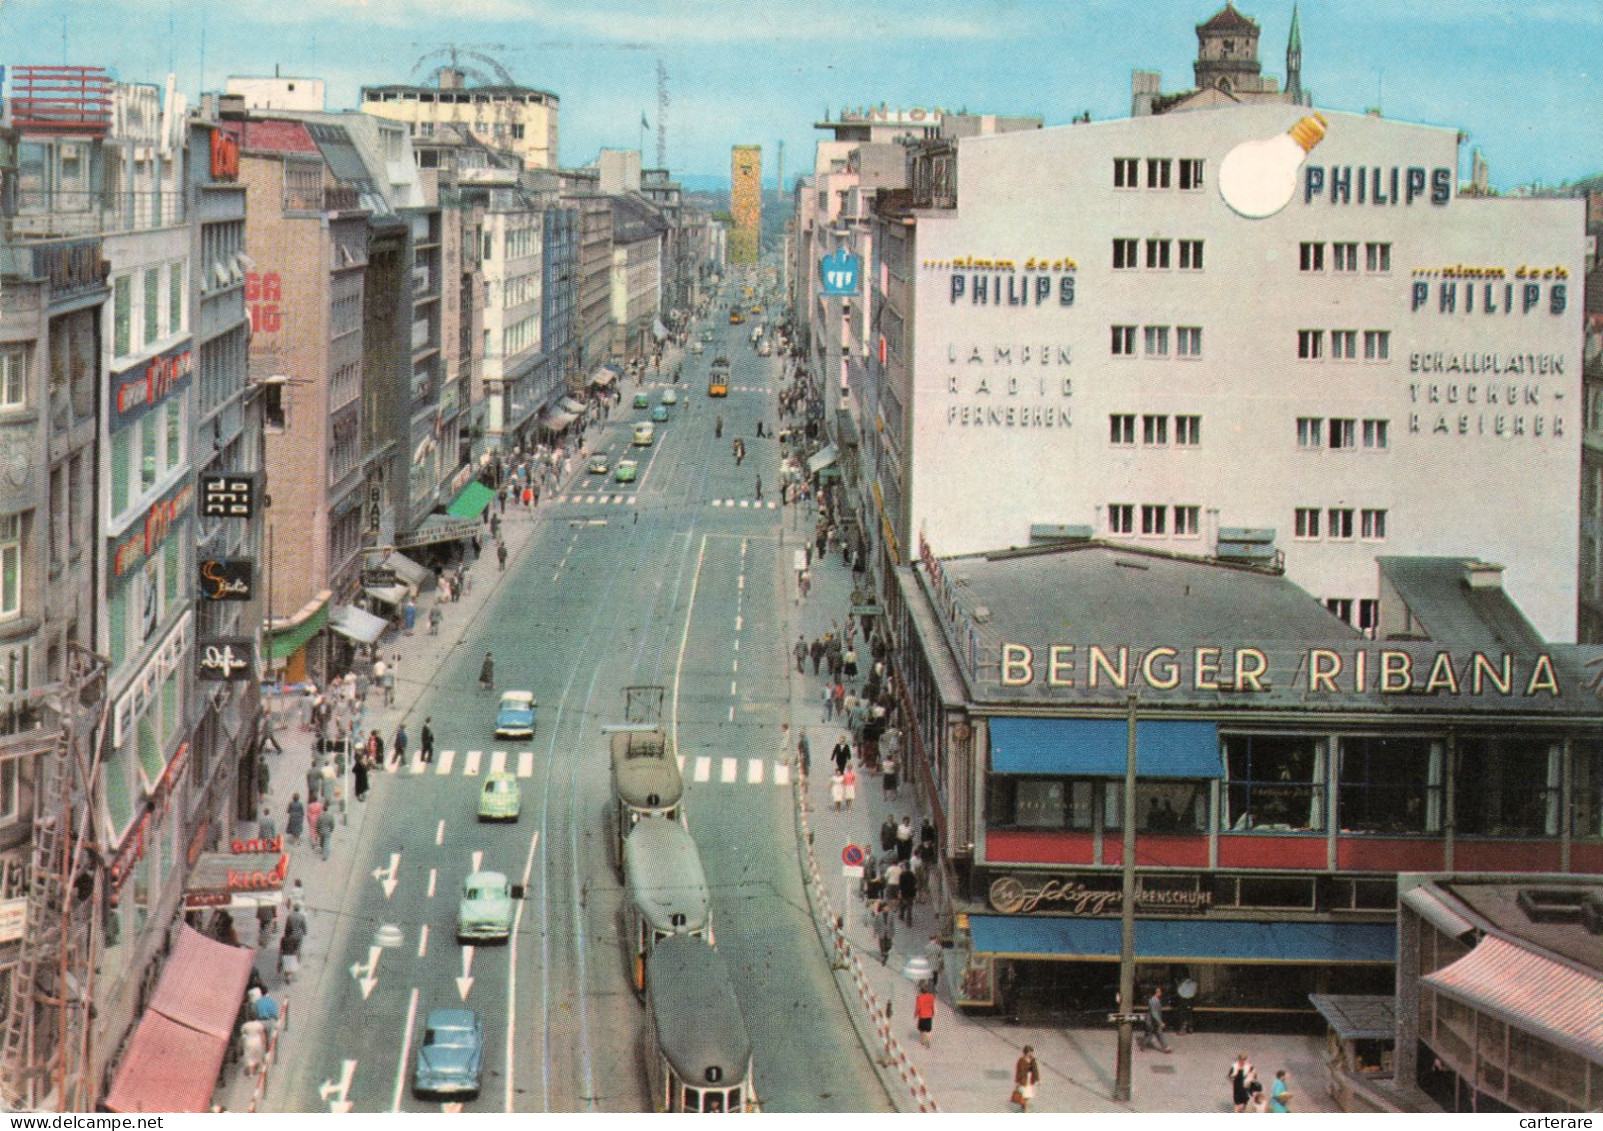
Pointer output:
515, 718
450, 1058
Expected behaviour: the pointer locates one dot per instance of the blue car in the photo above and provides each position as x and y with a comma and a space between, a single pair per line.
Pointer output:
515, 719
450, 1058
659, 413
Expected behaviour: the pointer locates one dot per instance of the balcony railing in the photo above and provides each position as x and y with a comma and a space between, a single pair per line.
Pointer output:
52, 215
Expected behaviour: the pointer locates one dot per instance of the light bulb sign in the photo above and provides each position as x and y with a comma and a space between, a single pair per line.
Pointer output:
838, 272
1259, 177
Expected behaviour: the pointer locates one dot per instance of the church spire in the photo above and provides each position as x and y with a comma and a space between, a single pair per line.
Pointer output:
1294, 59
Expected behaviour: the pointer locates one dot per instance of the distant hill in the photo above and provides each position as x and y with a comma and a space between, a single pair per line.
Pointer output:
703, 182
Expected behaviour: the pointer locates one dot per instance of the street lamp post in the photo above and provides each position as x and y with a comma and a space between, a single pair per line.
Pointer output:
1126, 1052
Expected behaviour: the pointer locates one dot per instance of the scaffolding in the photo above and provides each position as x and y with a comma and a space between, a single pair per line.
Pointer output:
45, 1059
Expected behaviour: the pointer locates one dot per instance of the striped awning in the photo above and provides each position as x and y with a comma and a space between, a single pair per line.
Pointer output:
1542, 996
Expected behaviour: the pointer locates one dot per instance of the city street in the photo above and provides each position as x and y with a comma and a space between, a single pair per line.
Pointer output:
676, 580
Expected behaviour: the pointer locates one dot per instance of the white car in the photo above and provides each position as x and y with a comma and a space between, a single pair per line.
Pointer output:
670, 396
644, 435
697, 347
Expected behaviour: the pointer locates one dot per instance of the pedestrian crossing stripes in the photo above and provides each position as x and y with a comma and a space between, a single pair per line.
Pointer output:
596, 500
754, 504
727, 770
623, 500
703, 769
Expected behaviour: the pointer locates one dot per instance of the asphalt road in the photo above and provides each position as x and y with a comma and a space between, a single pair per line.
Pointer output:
677, 584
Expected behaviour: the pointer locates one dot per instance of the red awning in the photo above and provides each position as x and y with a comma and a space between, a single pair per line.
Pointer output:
1554, 1000
168, 1067
203, 983
172, 1062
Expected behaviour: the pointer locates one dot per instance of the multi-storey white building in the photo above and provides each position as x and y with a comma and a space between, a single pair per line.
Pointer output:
512, 264
1080, 330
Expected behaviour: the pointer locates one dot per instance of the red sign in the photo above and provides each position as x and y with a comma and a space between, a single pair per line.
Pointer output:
852, 855
264, 291
225, 156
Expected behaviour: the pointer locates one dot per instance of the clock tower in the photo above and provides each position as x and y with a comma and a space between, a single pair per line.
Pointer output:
1227, 53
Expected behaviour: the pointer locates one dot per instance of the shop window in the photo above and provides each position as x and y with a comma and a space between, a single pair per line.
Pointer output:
1160, 806
1589, 790
1507, 787
1039, 803
1276, 783
1390, 785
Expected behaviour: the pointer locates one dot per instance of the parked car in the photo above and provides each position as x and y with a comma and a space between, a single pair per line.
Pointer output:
644, 435
450, 1057
485, 910
626, 471
515, 717
501, 799
599, 464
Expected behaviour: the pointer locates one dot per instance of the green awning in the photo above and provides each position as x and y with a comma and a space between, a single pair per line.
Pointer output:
286, 642
471, 502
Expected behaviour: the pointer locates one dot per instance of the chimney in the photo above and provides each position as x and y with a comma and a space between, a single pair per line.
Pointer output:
1483, 575
451, 78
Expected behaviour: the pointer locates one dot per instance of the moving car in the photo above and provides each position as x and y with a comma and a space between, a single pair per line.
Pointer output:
625, 471
501, 798
599, 464
515, 718
659, 412
696, 346
644, 435
485, 911
670, 396
766, 349
450, 1057
642, 400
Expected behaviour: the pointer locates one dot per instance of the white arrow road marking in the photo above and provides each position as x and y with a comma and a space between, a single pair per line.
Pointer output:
470, 768
341, 1087
498, 762
703, 768
754, 771
406, 1050
423, 940
439, 832
366, 974
478, 859
730, 770
465, 982
526, 764
446, 758
781, 773
386, 876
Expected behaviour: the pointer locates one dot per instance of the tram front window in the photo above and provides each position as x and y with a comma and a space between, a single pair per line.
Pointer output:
692, 1099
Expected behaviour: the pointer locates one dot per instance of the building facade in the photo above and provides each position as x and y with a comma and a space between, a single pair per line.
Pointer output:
503, 116
1287, 765
1378, 323
746, 203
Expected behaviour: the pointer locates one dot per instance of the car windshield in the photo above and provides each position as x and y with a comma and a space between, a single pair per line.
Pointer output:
514, 703
484, 893
502, 786
449, 1038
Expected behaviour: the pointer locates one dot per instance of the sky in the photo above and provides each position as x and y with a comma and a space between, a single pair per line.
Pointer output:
1511, 74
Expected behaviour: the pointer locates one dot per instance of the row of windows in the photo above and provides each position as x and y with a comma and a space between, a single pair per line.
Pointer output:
1381, 785
1185, 173
521, 335
1156, 518
1339, 523
156, 441
1155, 341
1340, 433
159, 293
519, 290
1344, 345
1154, 430
1127, 254
1344, 257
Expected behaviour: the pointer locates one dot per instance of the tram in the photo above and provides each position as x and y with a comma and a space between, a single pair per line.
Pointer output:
698, 1055
667, 891
645, 782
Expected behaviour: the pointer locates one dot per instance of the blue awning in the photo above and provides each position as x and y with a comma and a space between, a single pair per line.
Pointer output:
1165, 748
1185, 940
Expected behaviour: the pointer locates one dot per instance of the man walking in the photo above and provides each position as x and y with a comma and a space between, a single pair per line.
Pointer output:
325, 830
501, 554
816, 652
425, 748
400, 744
1154, 1032
800, 652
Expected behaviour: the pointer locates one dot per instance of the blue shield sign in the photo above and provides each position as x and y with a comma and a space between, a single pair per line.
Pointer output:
838, 272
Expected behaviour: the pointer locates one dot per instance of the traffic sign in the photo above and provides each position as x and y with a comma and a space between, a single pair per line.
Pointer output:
852, 855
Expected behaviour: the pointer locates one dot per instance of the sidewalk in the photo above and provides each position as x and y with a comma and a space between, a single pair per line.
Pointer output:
969, 1066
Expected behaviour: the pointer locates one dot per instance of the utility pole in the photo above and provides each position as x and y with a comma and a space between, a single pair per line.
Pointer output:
1126, 1053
